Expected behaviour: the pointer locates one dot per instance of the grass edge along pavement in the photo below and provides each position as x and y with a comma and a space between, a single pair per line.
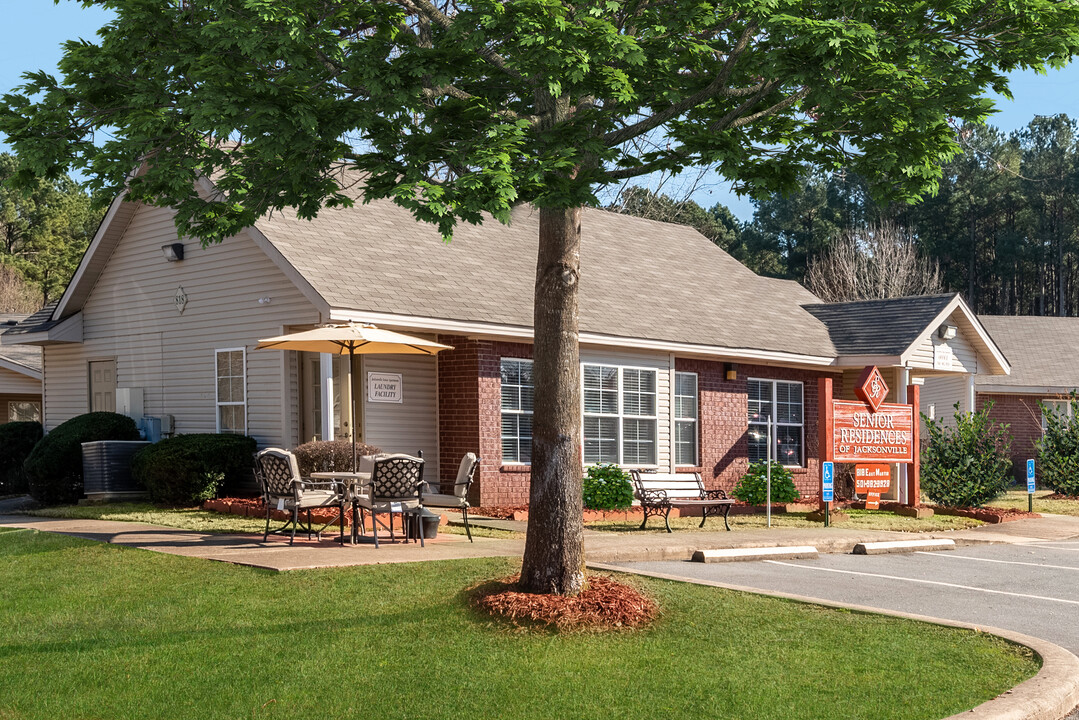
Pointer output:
1052, 694
131, 633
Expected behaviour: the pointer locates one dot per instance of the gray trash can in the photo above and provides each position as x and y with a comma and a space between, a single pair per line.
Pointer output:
426, 519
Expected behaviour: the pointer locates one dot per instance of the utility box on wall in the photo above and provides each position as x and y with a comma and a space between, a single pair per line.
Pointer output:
129, 402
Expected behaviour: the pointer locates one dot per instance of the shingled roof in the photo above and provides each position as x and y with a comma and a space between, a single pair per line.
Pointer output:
24, 356
878, 327
640, 278
1042, 351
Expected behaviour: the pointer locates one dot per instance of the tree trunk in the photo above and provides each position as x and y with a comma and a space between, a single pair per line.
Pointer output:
554, 548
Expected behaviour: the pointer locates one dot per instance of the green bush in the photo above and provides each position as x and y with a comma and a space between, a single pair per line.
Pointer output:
1058, 450
17, 440
188, 469
753, 487
607, 487
330, 455
54, 466
967, 466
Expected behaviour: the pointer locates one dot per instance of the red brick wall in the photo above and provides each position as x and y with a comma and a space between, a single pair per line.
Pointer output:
724, 421
469, 406
1023, 416
470, 417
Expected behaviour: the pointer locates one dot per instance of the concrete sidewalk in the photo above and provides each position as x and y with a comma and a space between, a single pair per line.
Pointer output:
605, 547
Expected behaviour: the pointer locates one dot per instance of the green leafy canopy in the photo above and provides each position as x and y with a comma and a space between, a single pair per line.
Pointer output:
455, 110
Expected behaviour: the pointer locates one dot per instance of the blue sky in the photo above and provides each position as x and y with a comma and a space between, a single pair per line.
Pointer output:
31, 36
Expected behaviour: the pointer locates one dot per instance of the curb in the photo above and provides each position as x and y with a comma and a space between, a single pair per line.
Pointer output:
902, 546
793, 552
1049, 695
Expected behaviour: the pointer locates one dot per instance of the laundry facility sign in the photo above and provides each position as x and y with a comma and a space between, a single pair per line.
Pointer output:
385, 387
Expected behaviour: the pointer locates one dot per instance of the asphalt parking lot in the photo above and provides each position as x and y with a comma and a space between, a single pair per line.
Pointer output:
1032, 588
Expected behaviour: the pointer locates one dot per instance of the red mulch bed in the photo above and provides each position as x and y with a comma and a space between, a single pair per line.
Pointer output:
1058, 496
500, 512
604, 605
987, 514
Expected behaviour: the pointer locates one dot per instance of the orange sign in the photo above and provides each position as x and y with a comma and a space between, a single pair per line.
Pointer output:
875, 478
860, 434
872, 501
871, 387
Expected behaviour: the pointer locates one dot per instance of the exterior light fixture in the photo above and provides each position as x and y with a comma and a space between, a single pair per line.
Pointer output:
947, 332
730, 371
174, 252
265, 300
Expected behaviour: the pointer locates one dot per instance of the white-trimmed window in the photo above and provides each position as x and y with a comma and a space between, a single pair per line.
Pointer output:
620, 419
685, 419
231, 370
23, 411
517, 396
1061, 408
776, 408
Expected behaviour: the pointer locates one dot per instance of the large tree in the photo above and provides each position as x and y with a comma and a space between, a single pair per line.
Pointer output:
455, 110
44, 229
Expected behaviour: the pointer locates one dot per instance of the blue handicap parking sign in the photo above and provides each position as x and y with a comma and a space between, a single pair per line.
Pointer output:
827, 471
1030, 476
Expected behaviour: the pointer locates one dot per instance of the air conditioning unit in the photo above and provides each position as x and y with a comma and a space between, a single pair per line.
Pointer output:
106, 470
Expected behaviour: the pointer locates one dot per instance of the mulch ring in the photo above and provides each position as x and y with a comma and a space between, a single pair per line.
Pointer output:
604, 604
987, 514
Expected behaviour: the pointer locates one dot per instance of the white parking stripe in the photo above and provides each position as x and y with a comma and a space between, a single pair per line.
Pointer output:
924, 582
1004, 562
1048, 547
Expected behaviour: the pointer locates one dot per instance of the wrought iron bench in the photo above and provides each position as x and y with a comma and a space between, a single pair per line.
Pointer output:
659, 492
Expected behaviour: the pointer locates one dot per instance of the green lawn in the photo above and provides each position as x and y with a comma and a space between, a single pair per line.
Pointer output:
199, 520
858, 519
100, 631
1017, 499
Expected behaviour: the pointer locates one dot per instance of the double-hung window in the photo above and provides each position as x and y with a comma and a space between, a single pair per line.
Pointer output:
231, 369
517, 396
685, 419
776, 410
620, 420
1059, 408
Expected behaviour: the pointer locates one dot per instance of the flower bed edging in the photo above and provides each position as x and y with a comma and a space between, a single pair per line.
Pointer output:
987, 515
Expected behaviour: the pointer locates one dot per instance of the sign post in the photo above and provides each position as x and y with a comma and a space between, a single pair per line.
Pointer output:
768, 478
1030, 485
827, 478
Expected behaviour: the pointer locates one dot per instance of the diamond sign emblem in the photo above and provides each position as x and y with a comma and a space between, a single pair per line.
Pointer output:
871, 388
180, 299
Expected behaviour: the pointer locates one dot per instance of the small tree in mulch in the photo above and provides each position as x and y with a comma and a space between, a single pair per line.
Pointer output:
753, 487
1058, 449
604, 604
969, 465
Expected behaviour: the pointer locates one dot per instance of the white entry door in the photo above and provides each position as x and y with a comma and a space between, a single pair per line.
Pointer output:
103, 386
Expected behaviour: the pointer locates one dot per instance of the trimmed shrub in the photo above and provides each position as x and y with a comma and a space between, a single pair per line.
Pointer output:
189, 469
17, 440
967, 466
1058, 450
607, 487
330, 455
753, 487
54, 466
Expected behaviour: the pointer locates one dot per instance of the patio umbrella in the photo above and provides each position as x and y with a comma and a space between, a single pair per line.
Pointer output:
353, 339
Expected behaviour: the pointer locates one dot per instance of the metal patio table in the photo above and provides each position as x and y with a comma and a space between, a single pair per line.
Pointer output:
352, 481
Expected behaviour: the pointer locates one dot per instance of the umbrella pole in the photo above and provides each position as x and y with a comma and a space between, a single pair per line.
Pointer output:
352, 394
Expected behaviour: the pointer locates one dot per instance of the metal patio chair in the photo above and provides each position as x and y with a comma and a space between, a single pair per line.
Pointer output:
283, 488
466, 473
395, 486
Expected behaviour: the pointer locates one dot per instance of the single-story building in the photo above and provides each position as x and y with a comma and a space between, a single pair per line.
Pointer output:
20, 378
690, 361
1042, 351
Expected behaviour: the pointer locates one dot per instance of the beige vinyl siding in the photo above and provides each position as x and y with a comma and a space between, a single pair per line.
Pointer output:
943, 392
412, 424
15, 383
131, 315
663, 363
964, 356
